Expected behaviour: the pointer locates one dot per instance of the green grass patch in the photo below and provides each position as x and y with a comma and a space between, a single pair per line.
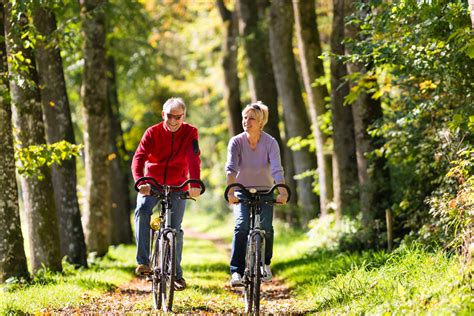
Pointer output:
71, 287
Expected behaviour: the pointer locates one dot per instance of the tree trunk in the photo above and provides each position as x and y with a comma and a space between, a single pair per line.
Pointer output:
374, 178
296, 118
344, 160
312, 68
121, 230
12, 253
229, 66
38, 197
252, 25
58, 125
96, 133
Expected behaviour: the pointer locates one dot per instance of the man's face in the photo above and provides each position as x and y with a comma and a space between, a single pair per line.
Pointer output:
173, 119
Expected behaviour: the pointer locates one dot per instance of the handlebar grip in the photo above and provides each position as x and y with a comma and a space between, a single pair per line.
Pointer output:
230, 186
155, 185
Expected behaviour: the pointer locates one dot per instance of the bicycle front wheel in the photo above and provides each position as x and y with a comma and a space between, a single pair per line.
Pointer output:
155, 277
168, 271
257, 273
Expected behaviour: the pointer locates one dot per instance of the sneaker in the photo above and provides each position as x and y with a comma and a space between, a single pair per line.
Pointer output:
236, 279
179, 284
143, 269
266, 273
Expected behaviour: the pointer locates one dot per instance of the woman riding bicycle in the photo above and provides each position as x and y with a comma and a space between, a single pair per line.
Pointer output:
253, 159
169, 153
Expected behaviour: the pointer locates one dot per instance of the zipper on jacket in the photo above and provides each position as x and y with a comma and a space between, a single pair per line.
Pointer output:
167, 161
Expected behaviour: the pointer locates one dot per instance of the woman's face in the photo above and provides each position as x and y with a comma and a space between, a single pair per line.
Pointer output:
250, 122
173, 119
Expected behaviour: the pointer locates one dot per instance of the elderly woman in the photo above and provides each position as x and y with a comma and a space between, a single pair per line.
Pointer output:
253, 159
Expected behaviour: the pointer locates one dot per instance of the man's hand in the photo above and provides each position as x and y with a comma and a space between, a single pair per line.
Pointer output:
281, 198
194, 192
144, 189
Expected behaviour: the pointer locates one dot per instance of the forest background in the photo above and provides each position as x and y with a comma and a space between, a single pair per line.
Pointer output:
371, 102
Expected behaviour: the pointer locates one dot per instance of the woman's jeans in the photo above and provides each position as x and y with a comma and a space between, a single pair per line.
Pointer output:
143, 212
241, 231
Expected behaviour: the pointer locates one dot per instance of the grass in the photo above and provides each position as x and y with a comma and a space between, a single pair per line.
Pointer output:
411, 280
56, 290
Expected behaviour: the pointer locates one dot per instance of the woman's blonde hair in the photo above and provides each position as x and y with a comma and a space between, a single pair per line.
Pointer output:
260, 110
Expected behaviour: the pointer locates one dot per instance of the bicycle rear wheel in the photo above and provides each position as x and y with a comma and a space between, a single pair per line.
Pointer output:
257, 272
168, 271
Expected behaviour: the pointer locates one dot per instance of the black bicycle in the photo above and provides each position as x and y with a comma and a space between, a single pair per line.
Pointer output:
255, 253
163, 242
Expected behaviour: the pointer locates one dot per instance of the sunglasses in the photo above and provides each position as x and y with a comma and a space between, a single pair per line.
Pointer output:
172, 116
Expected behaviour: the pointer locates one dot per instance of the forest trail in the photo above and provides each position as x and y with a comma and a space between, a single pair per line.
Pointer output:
135, 296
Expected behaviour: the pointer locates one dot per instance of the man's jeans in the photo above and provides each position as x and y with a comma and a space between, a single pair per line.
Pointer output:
143, 214
241, 231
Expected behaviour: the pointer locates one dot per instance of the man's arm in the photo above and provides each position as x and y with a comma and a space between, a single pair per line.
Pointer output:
194, 163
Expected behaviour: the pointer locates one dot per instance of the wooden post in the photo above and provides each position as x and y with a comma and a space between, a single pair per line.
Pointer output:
389, 219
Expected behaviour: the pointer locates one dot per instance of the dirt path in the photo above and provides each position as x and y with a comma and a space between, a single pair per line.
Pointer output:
135, 296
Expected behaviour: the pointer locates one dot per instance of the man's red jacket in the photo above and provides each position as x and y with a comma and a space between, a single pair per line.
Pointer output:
169, 157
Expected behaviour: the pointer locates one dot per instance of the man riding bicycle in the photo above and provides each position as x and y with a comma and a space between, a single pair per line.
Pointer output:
168, 152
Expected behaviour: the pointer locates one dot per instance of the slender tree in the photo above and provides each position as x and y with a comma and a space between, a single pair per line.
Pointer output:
96, 133
38, 197
58, 125
312, 68
121, 230
296, 118
344, 158
229, 65
12, 253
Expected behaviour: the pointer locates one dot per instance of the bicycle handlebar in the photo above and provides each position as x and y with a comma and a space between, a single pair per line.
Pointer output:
254, 192
160, 187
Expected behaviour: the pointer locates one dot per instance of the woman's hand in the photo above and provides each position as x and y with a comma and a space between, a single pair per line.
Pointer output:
281, 198
144, 189
231, 197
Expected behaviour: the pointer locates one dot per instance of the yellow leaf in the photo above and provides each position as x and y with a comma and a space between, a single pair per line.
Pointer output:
112, 156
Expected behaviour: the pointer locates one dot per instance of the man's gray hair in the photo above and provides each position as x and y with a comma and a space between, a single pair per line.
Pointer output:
174, 103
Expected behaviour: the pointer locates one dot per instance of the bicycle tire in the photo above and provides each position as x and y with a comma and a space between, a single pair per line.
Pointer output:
168, 271
257, 274
248, 276
155, 281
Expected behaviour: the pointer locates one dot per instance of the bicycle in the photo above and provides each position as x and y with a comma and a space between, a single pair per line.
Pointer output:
163, 242
255, 253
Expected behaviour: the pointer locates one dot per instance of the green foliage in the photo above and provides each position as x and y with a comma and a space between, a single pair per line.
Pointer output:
421, 69
33, 158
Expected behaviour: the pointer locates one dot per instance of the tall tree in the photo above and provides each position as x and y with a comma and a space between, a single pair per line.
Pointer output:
373, 174
38, 197
58, 125
344, 157
229, 65
121, 230
12, 253
254, 33
253, 28
312, 68
296, 118
96, 133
